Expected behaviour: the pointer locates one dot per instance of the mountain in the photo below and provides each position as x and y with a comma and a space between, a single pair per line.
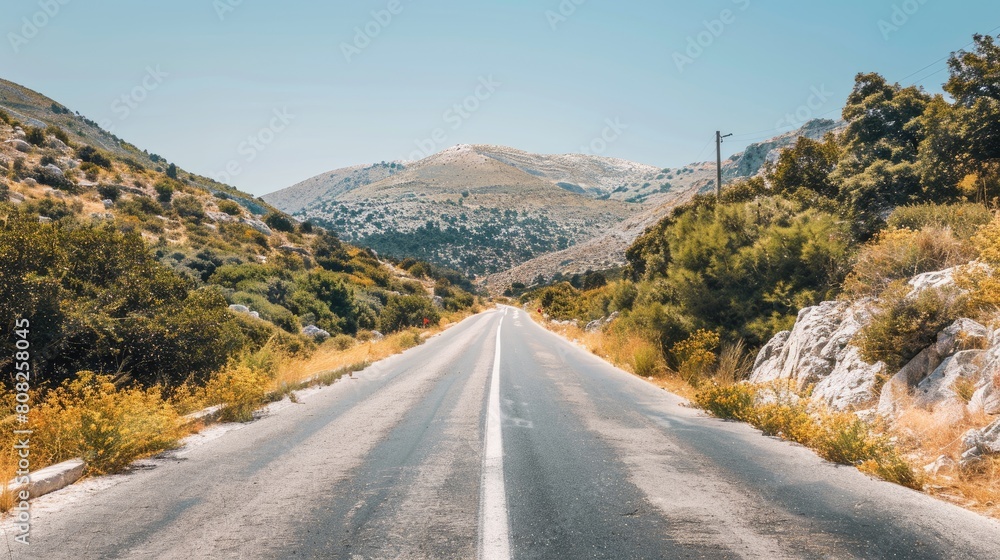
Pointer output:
483, 209
508, 215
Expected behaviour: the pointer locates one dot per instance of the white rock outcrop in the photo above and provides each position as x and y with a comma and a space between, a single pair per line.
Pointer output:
979, 443
930, 377
817, 352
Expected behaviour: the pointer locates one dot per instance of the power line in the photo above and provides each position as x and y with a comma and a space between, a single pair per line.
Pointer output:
940, 60
769, 133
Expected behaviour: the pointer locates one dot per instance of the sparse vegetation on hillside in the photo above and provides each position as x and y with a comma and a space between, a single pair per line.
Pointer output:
132, 277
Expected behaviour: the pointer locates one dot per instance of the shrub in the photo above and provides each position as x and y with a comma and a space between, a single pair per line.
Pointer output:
109, 192
230, 207
57, 132
560, 301
164, 191
731, 402
903, 324
109, 427
645, 359
407, 311
279, 222
962, 219
844, 438
189, 207
694, 356
89, 154
239, 389
35, 136
785, 414
342, 342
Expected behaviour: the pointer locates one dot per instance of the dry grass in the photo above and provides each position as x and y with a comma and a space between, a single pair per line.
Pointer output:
621, 350
110, 427
925, 436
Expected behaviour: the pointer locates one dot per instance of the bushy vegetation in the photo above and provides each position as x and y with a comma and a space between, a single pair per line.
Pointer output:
129, 307
109, 426
840, 437
901, 191
909, 186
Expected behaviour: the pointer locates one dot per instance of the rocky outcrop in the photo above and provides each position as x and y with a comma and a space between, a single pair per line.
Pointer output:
220, 217
817, 352
931, 376
258, 225
315, 333
958, 374
20, 145
976, 444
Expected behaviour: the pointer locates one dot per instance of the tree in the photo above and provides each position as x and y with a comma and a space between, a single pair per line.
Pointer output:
975, 85
877, 170
164, 191
279, 222
172, 171
807, 165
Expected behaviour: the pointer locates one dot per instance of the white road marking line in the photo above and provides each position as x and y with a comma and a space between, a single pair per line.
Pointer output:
494, 539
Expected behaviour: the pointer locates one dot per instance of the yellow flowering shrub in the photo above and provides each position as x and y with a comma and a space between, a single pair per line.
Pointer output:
108, 426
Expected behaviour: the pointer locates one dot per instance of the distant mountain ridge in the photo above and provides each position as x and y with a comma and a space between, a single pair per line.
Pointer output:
508, 215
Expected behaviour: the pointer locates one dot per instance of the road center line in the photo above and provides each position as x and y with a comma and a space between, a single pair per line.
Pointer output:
494, 540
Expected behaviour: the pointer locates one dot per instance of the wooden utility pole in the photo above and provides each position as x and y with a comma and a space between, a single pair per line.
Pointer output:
718, 162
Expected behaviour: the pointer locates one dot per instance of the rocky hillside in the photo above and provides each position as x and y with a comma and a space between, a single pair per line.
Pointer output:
750, 161
508, 214
479, 209
62, 178
955, 377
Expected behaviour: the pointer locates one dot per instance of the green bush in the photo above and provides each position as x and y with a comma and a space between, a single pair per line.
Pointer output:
407, 311
903, 325
35, 136
164, 191
89, 154
189, 207
230, 207
279, 222
109, 192
99, 301
57, 132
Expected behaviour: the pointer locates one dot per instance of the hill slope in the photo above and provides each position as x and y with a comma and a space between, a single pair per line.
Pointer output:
129, 265
507, 214
483, 209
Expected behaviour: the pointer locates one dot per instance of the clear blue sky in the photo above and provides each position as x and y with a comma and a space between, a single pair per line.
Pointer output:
561, 79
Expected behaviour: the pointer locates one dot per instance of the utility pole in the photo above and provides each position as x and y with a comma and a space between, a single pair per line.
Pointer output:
718, 162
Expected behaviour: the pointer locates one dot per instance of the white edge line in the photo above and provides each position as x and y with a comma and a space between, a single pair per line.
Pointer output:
494, 537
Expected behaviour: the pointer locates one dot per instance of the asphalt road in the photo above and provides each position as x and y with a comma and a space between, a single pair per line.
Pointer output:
456, 450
